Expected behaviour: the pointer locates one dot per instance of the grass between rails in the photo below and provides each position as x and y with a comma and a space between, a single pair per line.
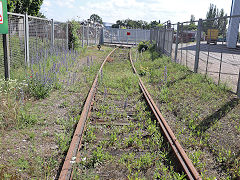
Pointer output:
36, 132
205, 117
122, 140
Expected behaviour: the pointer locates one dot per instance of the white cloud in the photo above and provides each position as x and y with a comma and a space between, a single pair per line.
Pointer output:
46, 5
112, 10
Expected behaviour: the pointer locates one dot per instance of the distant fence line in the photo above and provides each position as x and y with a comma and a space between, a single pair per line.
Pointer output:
203, 50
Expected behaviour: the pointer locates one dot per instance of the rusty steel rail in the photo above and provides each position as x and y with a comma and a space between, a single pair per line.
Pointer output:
186, 163
66, 172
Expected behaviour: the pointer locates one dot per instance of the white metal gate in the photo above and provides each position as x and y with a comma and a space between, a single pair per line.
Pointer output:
125, 36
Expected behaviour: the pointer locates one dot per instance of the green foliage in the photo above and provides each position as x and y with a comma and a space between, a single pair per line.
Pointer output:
74, 35
137, 24
220, 24
143, 71
39, 88
27, 6
96, 18
25, 118
143, 45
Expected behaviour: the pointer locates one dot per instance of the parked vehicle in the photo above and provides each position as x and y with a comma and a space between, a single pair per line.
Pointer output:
212, 36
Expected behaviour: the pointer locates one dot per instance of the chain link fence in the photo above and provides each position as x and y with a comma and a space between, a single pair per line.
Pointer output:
210, 47
16, 42
31, 39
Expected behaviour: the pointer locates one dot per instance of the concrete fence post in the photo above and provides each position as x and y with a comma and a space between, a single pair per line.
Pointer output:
26, 39
177, 42
6, 57
199, 32
52, 32
238, 86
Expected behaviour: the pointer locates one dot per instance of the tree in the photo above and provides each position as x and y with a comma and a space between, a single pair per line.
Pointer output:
154, 24
96, 18
215, 19
192, 19
32, 7
136, 24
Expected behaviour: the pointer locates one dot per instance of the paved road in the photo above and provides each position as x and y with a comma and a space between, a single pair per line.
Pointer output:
213, 54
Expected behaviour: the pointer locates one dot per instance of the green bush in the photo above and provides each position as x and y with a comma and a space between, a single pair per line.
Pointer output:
39, 88
143, 45
74, 41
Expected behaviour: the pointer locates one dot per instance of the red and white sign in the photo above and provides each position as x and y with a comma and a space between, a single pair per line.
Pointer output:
128, 33
1, 13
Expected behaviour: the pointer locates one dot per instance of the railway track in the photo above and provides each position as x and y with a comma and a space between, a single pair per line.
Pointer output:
123, 139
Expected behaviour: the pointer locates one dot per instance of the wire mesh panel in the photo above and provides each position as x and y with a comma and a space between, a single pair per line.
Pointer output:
164, 39
211, 48
92, 35
85, 35
81, 35
216, 59
16, 43
60, 35
125, 36
39, 38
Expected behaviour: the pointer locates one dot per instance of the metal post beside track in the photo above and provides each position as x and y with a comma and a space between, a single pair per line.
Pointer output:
83, 36
177, 41
67, 36
96, 36
52, 33
199, 31
26, 39
88, 35
238, 86
6, 56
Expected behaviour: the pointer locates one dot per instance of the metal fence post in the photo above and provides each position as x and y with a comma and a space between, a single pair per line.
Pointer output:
136, 36
26, 39
127, 39
67, 36
199, 32
238, 86
88, 35
83, 37
164, 38
177, 41
52, 32
101, 40
111, 35
96, 37
6, 56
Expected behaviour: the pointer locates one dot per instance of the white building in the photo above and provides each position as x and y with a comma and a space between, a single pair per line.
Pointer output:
233, 28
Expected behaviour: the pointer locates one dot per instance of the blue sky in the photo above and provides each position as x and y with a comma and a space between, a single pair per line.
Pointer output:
148, 10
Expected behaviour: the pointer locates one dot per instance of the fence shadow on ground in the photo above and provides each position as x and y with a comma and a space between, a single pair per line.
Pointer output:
220, 113
219, 48
179, 79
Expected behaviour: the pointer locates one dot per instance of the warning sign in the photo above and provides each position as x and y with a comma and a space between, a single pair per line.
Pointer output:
3, 17
1, 12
